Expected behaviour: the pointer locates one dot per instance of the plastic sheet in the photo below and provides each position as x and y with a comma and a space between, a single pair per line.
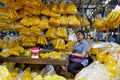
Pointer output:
95, 71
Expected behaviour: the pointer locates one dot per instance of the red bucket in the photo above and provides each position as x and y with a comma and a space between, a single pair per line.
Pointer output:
35, 52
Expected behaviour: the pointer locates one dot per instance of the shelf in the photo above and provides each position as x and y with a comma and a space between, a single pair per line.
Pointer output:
37, 61
33, 60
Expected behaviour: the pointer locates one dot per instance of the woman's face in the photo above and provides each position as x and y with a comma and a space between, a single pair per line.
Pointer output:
79, 36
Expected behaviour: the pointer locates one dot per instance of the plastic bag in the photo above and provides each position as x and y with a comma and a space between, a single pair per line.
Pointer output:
34, 20
55, 9
43, 24
35, 30
62, 8
95, 71
54, 22
54, 42
64, 21
48, 73
73, 21
111, 65
102, 57
70, 9
17, 26
58, 43
72, 36
113, 16
69, 45
61, 32
118, 73
9, 14
33, 10
51, 33
29, 44
57, 77
45, 10
25, 21
30, 21
42, 40
11, 44
80, 19
54, 15
47, 70
112, 19
25, 75
113, 25
4, 73
13, 4
32, 3
39, 77
27, 39
5, 19
86, 22
100, 24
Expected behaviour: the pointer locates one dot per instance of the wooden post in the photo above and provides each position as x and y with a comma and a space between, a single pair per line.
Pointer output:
107, 36
118, 35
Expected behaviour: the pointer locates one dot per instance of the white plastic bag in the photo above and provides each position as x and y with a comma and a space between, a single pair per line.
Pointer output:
47, 70
95, 71
4, 73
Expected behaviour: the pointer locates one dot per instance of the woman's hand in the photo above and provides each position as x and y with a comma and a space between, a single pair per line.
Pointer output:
69, 53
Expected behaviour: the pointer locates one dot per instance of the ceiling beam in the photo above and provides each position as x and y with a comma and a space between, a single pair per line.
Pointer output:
96, 10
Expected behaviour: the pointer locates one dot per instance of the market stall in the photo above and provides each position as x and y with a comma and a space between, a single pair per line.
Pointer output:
40, 26
40, 32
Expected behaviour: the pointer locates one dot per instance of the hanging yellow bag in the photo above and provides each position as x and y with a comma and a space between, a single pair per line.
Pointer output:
45, 10
55, 9
80, 20
4, 73
17, 26
25, 22
69, 45
62, 8
43, 24
61, 32
54, 22
54, 15
64, 21
60, 44
28, 44
98, 23
42, 40
35, 30
11, 43
86, 22
34, 20
51, 33
33, 10
73, 21
71, 9
4, 11
113, 16
54, 41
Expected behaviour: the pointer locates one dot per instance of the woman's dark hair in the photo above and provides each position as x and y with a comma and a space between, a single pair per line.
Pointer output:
82, 32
